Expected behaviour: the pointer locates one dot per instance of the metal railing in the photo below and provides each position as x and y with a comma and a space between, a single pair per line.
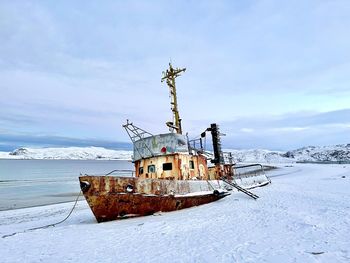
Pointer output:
249, 169
121, 172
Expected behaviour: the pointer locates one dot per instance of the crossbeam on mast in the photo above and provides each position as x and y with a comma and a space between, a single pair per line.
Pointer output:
169, 75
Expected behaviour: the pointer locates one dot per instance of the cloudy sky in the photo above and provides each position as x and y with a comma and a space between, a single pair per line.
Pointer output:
273, 74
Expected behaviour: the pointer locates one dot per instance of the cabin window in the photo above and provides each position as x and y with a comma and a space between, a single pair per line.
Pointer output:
151, 168
140, 170
191, 165
167, 166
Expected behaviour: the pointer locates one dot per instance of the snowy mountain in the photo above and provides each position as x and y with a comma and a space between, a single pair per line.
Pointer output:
259, 156
73, 153
335, 153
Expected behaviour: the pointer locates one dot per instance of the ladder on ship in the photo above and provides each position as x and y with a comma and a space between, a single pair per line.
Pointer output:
241, 189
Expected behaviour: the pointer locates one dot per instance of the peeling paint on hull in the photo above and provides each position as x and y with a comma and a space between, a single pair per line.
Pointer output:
108, 204
117, 206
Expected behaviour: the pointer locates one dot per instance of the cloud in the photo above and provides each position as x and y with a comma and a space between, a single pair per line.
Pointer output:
9, 142
287, 132
81, 69
247, 130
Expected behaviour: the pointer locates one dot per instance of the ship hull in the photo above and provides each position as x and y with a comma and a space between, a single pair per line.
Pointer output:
117, 206
112, 198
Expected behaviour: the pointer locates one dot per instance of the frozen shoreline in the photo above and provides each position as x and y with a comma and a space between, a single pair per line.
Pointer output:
302, 216
25, 183
66, 201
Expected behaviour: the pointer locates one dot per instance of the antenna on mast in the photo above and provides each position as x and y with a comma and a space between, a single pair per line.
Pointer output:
169, 75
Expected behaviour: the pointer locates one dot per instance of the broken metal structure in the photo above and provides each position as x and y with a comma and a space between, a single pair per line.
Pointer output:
171, 171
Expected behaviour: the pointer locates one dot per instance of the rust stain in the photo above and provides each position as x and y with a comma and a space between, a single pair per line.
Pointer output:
180, 167
148, 196
112, 185
102, 184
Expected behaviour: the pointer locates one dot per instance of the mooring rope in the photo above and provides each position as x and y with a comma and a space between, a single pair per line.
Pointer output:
46, 226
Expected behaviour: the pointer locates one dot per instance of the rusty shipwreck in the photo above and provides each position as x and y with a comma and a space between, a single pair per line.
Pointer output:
171, 172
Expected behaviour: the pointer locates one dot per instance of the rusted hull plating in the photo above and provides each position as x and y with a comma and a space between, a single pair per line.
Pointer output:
117, 206
113, 198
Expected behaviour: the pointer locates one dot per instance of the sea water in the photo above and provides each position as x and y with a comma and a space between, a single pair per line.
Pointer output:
26, 183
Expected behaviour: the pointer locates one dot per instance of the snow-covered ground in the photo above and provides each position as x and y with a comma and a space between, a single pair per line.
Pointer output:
303, 216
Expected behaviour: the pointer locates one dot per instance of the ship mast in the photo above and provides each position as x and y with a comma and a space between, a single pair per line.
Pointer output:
169, 75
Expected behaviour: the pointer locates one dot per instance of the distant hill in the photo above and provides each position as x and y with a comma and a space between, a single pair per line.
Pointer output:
72, 153
335, 153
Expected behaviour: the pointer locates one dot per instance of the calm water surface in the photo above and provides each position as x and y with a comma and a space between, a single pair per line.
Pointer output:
25, 183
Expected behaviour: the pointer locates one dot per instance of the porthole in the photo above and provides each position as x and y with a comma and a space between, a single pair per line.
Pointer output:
151, 168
